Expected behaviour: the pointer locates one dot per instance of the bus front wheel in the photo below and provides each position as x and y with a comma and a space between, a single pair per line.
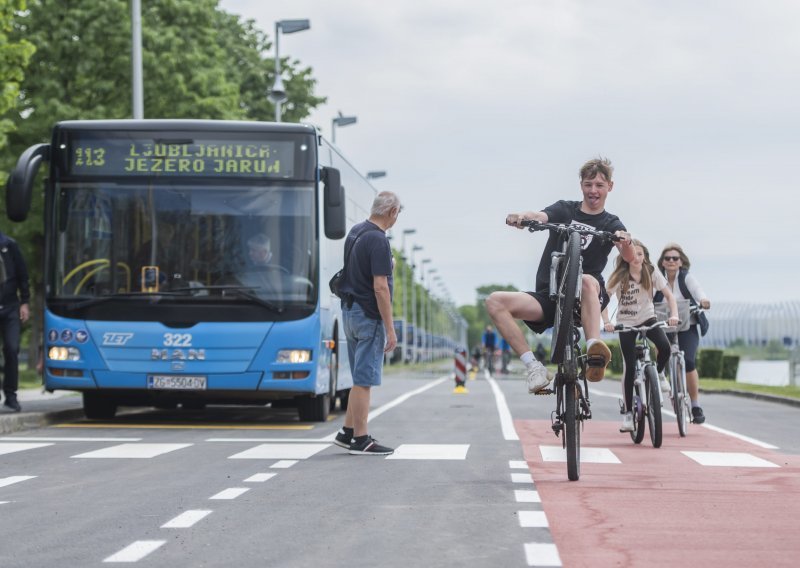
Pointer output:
313, 408
97, 406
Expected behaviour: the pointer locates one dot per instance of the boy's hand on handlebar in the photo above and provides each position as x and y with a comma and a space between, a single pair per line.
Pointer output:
518, 220
624, 237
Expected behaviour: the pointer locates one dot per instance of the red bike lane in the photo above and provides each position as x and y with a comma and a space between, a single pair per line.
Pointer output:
728, 503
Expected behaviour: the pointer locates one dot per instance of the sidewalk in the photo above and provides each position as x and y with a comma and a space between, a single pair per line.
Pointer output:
40, 409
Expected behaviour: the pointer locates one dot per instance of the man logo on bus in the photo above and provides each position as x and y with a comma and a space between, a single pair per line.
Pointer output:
116, 338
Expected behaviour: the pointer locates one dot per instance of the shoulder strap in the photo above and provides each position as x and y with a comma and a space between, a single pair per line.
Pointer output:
358, 236
684, 288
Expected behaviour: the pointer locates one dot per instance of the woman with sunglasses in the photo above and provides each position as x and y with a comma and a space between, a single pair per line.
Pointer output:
674, 264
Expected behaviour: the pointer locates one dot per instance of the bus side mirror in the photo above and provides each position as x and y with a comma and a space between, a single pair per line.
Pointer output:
333, 193
19, 188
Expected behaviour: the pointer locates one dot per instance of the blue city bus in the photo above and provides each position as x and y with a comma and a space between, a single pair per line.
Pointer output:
187, 262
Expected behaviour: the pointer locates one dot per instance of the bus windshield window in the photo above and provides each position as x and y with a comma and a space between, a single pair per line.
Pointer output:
187, 242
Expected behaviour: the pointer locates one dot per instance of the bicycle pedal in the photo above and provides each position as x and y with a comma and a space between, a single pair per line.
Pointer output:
545, 391
596, 361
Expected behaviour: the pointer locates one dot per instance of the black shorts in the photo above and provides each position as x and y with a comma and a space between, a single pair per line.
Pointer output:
549, 310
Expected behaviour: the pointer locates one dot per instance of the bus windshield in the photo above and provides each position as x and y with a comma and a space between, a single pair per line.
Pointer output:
184, 242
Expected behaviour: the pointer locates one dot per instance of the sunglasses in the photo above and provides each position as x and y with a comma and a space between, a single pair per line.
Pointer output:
673, 258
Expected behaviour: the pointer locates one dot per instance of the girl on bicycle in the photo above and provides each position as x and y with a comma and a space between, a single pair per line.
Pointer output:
634, 283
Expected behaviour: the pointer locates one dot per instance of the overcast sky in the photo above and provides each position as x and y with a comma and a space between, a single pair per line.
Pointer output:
477, 109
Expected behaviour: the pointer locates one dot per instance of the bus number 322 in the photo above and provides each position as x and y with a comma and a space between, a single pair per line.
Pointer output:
177, 339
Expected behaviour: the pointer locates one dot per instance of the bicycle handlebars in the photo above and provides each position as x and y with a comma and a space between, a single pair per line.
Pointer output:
533, 225
639, 328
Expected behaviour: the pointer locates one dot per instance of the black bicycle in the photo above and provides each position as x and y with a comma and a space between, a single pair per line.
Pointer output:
646, 388
569, 385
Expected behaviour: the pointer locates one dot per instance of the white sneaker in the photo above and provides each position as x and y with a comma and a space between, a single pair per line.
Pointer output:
627, 422
537, 377
665, 388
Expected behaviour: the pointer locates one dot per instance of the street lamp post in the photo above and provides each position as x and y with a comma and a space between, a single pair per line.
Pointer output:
278, 93
414, 321
423, 303
403, 279
341, 120
429, 318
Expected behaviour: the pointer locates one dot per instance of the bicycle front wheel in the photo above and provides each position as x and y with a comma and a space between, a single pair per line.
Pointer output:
678, 378
653, 405
567, 288
572, 431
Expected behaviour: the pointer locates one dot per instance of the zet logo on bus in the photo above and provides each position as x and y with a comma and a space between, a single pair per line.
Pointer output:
116, 338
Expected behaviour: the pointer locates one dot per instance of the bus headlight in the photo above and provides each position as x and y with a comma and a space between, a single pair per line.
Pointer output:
294, 356
64, 354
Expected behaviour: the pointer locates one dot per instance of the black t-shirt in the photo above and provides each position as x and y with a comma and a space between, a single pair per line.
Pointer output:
372, 256
594, 253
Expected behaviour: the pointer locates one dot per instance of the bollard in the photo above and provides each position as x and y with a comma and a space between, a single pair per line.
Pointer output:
460, 370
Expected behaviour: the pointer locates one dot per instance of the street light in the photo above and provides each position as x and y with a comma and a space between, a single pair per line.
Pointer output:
423, 305
341, 120
403, 279
429, 309
414, 249
278, 93
376, 175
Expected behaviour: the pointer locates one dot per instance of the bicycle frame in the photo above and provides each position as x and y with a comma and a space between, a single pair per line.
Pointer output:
681, 403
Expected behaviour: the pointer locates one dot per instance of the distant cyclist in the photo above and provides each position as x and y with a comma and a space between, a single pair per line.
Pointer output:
536, 308
634, 284
489, 341
674, 264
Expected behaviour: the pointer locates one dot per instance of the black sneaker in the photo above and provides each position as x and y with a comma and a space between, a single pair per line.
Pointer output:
697, 415
11, 402
369, 447
343, 440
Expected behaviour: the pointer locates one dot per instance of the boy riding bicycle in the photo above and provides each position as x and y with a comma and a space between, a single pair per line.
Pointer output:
536, 309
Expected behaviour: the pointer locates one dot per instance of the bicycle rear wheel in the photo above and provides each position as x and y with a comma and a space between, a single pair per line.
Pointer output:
653, 405
572, 431
678, 378
567, 286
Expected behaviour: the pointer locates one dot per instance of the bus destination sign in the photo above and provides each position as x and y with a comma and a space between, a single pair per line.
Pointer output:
92, 156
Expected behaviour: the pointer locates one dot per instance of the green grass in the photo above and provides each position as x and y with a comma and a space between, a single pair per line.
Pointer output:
29, 378
711, 385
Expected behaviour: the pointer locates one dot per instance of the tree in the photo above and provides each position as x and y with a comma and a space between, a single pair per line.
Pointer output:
14, 56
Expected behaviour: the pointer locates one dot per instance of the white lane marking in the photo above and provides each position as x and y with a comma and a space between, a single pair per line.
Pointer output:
665, 410
260, 477
230, 493
11, 448
283, 464
4, 502
521, 478
6, 481
135, 551
430, 452
527, 496
68, 439
506, 422
728, 459
517, 464
588, 455
276, 440
186, 519
133, 451
742, 437
542, 554
401, 399
279, 451
532, 519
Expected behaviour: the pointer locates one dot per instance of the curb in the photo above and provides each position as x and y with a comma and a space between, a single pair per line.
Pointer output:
28, 420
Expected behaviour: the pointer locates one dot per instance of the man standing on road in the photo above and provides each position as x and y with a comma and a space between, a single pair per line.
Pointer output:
367, 314
13, 312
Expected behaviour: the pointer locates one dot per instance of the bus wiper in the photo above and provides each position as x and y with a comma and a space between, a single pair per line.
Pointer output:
120, 296
240, 291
